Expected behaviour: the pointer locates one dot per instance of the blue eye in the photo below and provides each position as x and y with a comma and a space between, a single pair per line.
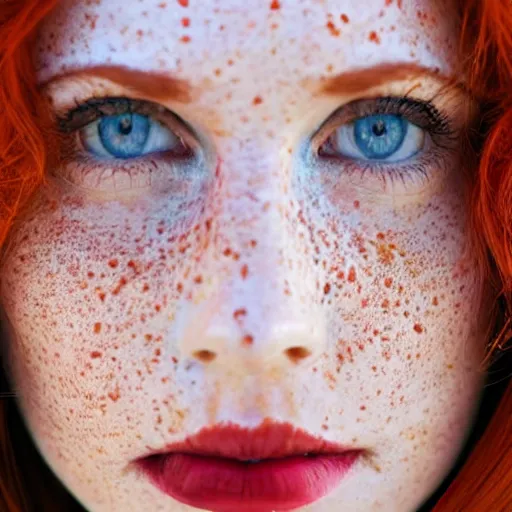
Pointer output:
381, 137
126, 136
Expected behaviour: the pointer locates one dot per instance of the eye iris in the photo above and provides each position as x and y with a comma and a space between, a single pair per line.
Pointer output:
380, 136
125, 135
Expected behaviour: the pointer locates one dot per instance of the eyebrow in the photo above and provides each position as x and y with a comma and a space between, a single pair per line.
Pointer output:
355, 81
161, 86
146, 83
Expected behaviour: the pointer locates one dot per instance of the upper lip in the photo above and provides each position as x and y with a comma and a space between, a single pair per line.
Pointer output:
271, 440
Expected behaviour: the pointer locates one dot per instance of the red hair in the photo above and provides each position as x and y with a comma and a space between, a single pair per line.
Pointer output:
484, 483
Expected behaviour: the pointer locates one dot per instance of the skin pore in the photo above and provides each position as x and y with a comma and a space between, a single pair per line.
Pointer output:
255, 266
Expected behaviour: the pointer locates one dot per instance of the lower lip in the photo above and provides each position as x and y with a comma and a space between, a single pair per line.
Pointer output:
225, 485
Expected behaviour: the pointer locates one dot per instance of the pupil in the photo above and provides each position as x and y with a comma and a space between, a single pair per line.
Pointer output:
379, 128
125, 125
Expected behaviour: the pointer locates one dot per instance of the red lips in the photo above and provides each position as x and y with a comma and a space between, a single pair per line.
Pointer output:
229, 468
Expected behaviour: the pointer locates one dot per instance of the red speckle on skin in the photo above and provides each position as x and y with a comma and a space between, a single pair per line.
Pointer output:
248, 339
332, 29
257, 100
275, 5
244, 271
101, 296
364, 303
418, 328
362, 408
356, 204
239, 313
185, 39
183, 3
185, 22
388, 2
174, 360
162, 5
113, 263
95, 354
179, 287
114, 396
344, 18
435, 301
374, 37
97, 327
90, 274
327, 288
388, 282
352, 275
198, 279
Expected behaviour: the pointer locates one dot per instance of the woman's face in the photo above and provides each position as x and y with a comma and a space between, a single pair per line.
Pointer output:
269, 227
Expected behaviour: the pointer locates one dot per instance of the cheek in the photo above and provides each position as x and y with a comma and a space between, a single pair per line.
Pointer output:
96, 303
397, 284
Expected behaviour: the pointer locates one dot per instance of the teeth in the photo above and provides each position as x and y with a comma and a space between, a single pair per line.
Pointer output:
253, 461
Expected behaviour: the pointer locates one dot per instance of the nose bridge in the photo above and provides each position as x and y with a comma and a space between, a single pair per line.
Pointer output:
255, 309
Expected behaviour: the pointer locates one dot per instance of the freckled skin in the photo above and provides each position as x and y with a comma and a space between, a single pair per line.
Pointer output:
258, 283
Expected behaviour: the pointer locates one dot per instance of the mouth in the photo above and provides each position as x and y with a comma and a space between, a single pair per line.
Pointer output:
274, 467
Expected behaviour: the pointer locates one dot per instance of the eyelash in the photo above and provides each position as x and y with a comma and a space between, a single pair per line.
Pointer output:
421, 113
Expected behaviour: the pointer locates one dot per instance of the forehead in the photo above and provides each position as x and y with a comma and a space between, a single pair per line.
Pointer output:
229, 40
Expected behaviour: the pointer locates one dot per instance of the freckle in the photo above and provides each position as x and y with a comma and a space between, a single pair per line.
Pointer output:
450, 366
145, 287
179, 287
388, 282
198, 279
185, 22
351, 275
218, 72
239, 312
327, 288
418, 328
227, 252
174, 360
244, 271
95, 354
257, 100
113, 263
158, 352
90, 274
374, 368
97, 327
356, 204
183, 3
253, 243
102, 296
435, 301
332, 29
325, 427
362, 408
275, 5
236, 256
248, 339
162, 5
148, 337
185, 39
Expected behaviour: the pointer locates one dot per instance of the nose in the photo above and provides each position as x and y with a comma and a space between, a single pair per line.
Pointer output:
251, 330
257, 310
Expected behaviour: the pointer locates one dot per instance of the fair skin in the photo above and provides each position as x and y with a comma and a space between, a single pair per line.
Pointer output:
253, 277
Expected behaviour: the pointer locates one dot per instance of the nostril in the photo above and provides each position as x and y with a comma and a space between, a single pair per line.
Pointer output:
205, 356
297, 354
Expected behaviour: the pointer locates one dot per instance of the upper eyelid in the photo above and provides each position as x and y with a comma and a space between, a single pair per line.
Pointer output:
356, 109
94, 108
